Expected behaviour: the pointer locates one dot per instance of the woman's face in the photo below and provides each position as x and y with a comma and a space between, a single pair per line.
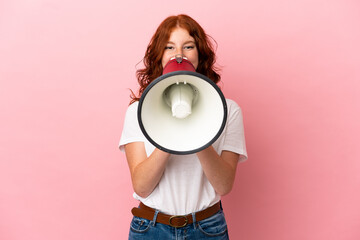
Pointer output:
180, 42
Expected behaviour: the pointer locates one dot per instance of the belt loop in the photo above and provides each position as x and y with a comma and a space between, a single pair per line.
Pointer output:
194, 219
155, 217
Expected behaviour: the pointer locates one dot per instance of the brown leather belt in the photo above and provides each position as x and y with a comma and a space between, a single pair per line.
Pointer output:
177, 221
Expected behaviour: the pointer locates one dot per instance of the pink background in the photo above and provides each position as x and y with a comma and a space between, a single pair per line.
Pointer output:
65, 70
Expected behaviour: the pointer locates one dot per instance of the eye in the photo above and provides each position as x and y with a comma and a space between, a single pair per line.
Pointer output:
189, 47
169, 48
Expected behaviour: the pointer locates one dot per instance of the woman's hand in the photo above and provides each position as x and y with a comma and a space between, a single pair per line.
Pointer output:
219, 170
145, 171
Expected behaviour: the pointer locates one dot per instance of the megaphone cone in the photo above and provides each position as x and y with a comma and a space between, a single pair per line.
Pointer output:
182, 111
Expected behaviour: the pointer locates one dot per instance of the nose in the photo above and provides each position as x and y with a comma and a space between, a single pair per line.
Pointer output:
179, 51
179, 58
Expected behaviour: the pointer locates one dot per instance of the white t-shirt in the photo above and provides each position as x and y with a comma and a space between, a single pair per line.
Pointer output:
184, 188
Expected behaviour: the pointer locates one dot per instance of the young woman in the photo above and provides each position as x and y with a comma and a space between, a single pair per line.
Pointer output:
180, 194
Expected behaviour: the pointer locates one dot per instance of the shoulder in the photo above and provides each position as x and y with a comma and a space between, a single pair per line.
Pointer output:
133, 106
132, 109
131, 113
232, 105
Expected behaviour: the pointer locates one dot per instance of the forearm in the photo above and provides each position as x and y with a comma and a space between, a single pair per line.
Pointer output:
219, 170
146, 172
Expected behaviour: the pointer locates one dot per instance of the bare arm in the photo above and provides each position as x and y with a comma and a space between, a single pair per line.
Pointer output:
220, 170
145, 171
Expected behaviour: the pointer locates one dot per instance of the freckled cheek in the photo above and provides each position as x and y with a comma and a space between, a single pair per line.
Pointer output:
195, 61
165, 60
195, 64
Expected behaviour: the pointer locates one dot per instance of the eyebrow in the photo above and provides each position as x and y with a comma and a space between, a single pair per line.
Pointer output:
190, 41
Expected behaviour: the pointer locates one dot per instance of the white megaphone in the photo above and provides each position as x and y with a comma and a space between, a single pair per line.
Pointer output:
182, 111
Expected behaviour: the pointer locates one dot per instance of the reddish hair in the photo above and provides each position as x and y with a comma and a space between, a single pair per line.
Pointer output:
155, 50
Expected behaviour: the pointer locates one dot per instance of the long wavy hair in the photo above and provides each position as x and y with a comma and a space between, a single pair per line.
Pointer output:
155, 50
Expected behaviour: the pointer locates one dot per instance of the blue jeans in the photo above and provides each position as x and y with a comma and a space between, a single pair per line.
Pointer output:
214, 228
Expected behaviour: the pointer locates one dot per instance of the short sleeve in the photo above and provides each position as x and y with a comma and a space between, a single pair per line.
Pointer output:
234, 132
131, 131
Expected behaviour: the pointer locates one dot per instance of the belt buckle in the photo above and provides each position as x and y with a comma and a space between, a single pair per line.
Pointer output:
178, 216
